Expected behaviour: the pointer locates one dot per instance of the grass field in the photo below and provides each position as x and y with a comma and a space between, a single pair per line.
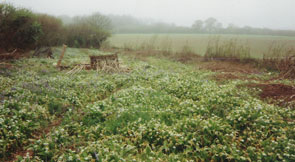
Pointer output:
198, 42
158, 110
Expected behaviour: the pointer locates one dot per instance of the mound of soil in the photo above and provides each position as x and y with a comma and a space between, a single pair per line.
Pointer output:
186, 57
230, 67
227, 76
280, 93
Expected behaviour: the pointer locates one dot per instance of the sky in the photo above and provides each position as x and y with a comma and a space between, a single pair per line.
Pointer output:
275, 14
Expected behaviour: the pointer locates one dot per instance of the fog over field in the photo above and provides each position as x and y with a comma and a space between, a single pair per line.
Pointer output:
275, 14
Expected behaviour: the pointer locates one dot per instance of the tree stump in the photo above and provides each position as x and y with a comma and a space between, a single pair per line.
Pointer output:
98, 62
43, 52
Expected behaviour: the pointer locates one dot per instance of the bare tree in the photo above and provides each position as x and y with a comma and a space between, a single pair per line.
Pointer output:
98, 20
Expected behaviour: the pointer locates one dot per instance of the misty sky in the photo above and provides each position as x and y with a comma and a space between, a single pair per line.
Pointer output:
276, 14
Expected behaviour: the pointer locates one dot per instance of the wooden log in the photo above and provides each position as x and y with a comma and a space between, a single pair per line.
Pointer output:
61, 56
9, 56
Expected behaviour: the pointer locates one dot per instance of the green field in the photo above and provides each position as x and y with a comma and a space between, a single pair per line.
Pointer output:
198, 42
158, 110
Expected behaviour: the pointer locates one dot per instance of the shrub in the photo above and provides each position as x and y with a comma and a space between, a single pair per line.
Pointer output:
88, 32
52, 31
18, 28
22, 29
55, 107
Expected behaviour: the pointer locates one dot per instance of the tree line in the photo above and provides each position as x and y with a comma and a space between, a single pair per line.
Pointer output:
212, 25
22, 29
129, 24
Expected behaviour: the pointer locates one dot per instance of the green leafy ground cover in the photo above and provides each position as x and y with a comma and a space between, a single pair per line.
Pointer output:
159, 111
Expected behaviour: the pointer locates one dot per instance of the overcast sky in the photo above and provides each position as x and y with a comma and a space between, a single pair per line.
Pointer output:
276, 14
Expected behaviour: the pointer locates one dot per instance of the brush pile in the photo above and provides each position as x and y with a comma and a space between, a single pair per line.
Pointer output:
10, 55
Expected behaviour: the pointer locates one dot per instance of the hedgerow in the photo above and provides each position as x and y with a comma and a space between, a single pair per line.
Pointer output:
24, 30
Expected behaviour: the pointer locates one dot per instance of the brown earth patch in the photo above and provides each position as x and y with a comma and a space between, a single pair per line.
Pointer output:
186, 57
221, 77
280, 94
227, 76
230, 67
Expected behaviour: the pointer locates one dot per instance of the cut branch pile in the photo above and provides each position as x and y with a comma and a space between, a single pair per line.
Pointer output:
9, 56
78, 68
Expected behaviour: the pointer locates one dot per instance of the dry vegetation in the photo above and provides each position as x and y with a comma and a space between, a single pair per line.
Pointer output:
281, 59
198, 43
230, 50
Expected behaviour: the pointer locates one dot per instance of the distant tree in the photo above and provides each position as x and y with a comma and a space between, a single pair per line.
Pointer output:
52, 31
247, 30
88, 31
98, 20
210, 24
219, 25
232, 28
66, 19
198, 25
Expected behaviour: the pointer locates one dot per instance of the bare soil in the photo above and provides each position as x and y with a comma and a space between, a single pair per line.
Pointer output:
229, 76
186, 57
230, 67
278, 93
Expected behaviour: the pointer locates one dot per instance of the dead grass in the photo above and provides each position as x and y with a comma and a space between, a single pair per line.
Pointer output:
103, 68
281, 59
226, 50
186, 55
